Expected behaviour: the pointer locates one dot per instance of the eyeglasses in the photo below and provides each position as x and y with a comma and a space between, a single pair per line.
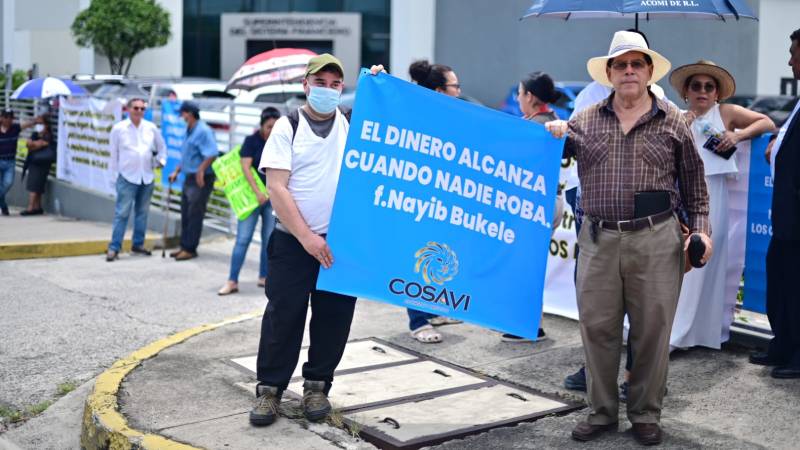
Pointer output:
138, 108
697, 86
636, 64
453, 85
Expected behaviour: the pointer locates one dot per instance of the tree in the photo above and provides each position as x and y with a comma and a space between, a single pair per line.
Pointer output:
120, 29
17, 78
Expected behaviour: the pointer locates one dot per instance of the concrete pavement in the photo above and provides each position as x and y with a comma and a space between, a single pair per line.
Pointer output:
71, 318
188, 392
52, 236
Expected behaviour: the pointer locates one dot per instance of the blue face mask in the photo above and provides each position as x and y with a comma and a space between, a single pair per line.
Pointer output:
323, 100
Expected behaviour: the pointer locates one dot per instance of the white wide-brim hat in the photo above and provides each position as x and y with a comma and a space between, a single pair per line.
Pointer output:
624, 42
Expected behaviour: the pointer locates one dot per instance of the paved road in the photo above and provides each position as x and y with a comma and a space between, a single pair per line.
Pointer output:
68, 319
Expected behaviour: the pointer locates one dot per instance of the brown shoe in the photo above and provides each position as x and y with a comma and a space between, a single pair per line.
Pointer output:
647, 433
585, 431
175, 253
184, 255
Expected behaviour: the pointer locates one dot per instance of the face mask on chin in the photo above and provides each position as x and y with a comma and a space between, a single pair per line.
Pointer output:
323, 100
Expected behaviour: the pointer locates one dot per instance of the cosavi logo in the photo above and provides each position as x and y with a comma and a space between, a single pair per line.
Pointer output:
438, 264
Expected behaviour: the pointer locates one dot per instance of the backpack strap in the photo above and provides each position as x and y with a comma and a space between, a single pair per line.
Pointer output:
294, 118
294, 121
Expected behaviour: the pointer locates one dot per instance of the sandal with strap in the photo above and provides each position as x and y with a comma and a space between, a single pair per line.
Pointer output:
442, 320
427, 335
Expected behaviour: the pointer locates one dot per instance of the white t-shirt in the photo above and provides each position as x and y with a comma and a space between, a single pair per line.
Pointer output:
314, 163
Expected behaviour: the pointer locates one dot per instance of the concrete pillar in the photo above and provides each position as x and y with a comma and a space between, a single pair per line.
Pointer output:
413, 34
8, 26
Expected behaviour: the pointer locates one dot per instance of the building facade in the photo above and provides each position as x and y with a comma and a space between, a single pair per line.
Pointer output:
484, 41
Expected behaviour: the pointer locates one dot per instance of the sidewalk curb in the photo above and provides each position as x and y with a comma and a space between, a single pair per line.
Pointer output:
104, 427
58, 249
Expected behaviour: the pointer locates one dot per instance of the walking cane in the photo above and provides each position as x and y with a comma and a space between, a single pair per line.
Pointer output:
166, 222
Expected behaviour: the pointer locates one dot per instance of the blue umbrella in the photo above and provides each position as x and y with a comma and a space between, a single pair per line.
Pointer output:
47, 87
617, 9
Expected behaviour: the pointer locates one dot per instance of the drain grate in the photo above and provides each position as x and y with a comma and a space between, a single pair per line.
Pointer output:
399, 399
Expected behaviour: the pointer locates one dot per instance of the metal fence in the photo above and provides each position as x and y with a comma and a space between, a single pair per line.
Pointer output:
232, 122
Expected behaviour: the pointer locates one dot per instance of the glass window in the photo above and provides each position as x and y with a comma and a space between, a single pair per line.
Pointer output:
201, 27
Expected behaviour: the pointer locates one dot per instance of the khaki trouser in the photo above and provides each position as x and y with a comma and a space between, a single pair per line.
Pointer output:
638, 273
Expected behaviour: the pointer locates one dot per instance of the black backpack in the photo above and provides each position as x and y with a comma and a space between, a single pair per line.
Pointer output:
294, 118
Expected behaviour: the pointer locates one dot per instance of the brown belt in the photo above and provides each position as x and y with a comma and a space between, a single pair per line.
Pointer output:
634, 224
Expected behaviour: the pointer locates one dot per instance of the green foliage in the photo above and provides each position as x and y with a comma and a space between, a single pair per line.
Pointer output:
35, 410
12, 415
18, 77
66, 387
121, 29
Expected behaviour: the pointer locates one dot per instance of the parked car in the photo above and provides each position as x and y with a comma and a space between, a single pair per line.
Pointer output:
776, 107
563, 106
741, 100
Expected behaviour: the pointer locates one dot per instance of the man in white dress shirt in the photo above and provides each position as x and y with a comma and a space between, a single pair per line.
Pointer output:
136, 148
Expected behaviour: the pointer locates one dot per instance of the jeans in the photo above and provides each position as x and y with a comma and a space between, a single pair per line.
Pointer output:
130, 196
418, 319
292, 284
194, 200
7, 168
244, 235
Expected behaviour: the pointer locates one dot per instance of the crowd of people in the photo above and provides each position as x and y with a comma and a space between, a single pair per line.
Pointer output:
650, 175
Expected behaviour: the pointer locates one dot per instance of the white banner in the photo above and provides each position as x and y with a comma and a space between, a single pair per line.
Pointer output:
559, 287
84, 127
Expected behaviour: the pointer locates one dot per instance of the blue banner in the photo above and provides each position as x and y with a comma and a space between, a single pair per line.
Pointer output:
759, 228
443, 206
173, 128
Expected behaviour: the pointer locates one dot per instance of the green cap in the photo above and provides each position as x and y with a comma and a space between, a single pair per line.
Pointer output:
316, 63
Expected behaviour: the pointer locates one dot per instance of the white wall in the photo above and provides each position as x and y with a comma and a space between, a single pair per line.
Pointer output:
42, 35
778, 19
160, 61
413, 25
7, 31
38, 31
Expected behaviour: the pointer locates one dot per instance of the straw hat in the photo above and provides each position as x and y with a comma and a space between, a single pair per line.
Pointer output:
726, 85
624, 42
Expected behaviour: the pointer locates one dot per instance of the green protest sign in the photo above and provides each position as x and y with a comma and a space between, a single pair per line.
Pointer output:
231, 179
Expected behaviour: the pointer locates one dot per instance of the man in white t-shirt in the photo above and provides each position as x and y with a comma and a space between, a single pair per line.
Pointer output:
301, 160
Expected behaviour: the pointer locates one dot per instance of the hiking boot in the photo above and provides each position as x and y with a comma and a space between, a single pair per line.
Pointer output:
315, 402
265, 409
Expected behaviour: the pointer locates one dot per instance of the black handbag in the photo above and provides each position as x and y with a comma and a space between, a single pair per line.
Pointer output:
42, 157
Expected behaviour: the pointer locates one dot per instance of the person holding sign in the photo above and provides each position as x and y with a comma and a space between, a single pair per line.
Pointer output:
198, 152
137, 147
301, 160
251, 151
636, 159
704, 313
534, 95
442, 79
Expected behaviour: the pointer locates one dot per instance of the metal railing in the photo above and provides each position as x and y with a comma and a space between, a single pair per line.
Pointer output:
232, 122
